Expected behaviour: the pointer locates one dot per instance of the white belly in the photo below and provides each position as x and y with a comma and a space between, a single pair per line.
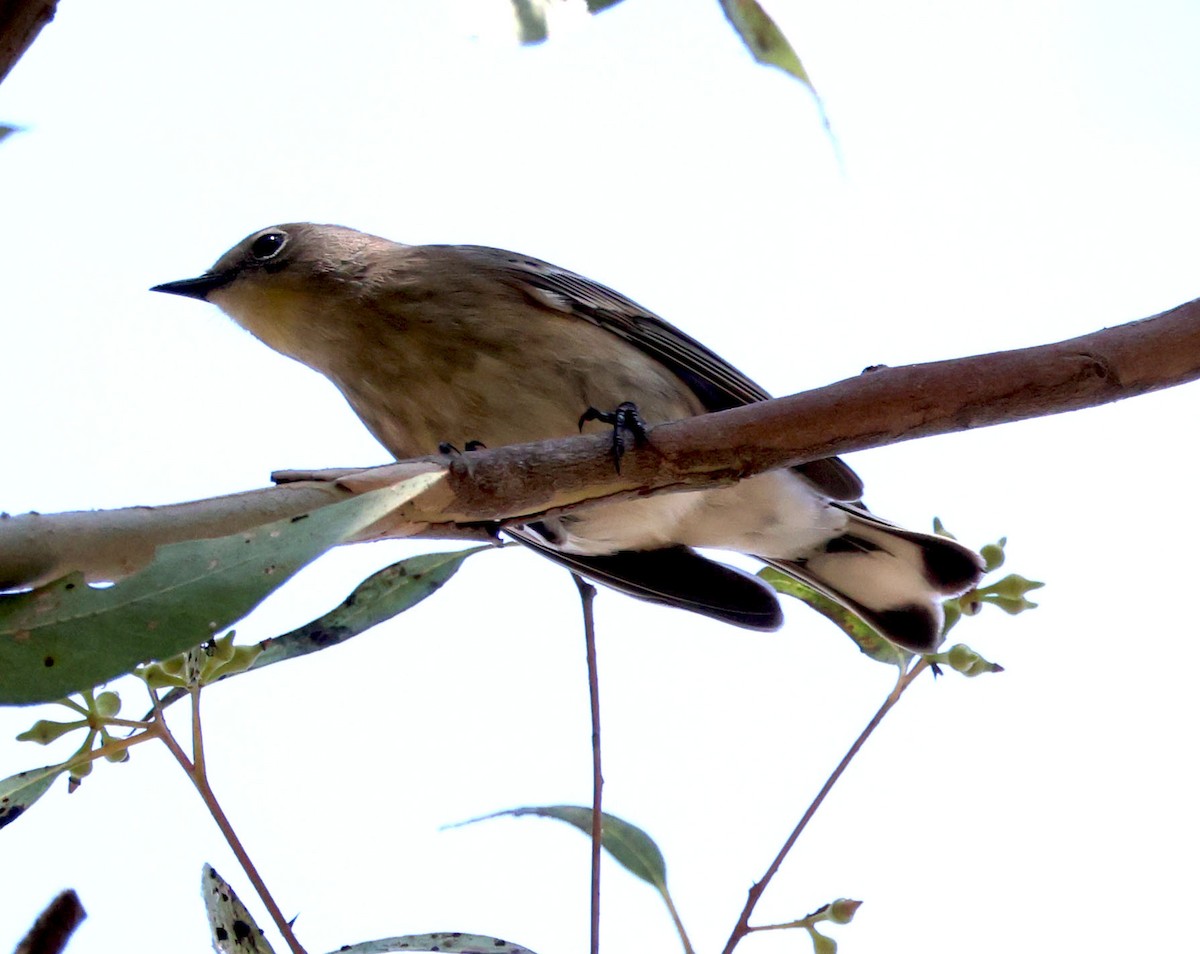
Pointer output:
772, 515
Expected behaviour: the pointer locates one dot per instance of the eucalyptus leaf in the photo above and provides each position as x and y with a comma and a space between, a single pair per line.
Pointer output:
68, 636
446, 942
379, 597
233, 928
18, 792
628, 844
869, 641
531, 21
763, 38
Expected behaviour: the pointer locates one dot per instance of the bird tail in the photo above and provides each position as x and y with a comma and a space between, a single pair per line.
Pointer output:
893, 578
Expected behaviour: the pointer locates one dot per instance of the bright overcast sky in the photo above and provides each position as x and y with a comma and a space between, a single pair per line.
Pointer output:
1004, 174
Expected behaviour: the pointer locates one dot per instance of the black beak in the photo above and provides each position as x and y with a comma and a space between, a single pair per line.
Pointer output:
197, 287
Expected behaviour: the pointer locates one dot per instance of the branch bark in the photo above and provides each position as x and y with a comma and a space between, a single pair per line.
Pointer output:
522, 482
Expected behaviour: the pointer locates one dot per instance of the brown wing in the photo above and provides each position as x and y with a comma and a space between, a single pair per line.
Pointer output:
717, 383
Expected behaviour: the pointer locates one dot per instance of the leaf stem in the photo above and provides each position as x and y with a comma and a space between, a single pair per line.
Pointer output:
742, 928
687, 944
195, 771
587, 596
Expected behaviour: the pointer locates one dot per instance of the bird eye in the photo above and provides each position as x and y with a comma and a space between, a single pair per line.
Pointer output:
268, 245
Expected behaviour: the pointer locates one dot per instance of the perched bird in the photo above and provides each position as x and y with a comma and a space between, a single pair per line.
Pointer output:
436, 344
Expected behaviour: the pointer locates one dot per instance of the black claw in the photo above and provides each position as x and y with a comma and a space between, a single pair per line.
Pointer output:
445, 447
624, 418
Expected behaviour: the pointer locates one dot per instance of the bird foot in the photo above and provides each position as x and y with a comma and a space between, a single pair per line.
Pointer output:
624, 419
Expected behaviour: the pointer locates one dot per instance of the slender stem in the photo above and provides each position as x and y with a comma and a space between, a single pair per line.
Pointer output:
198, 767
687, 944
200, 780
587, 595
129, 723
742, 928
111, 748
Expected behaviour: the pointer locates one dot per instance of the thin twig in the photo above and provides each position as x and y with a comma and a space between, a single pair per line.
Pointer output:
54, 926
195, 772
199, 768
742, 928
587, 596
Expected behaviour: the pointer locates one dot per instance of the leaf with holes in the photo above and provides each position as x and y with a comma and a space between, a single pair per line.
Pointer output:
18, 792
233, 928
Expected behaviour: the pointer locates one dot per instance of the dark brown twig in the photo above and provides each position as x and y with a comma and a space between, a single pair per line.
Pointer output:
20, 23
54, 926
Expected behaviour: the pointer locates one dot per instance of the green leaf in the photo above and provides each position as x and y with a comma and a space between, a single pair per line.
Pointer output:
233, 929
531, 21
68, 636
870, 642
444, 941
18, 792
6, 131
628, 844
379, 597
764, 39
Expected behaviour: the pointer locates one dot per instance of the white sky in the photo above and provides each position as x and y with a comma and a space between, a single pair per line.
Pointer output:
1010, 174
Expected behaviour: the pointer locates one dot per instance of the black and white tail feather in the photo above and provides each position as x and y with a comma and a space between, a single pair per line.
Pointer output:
894, 579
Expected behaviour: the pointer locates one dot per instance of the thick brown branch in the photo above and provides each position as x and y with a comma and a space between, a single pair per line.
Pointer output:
512, 484
20, 23
880, 407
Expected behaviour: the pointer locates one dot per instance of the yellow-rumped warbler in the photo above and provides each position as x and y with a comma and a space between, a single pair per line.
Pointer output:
446, 343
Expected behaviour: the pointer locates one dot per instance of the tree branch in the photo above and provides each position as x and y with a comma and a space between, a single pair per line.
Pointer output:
522, 482
54, 926
20, 23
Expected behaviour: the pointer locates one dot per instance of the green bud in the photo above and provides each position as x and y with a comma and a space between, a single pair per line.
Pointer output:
1013, 607
993, 555
970, 603
222, 649
107, 705
156, 677
241, 659
1014, 586
963, 659
842, 910
43, 732
822, 944
118, 755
